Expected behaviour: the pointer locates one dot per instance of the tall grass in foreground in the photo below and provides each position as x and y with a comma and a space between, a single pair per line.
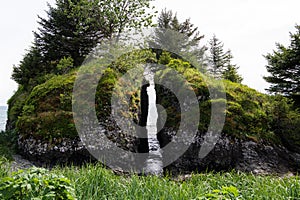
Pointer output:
95, 182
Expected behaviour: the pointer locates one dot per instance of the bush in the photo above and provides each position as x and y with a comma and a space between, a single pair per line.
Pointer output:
286, 123
36, 183
8, 144
4, 166
15, 107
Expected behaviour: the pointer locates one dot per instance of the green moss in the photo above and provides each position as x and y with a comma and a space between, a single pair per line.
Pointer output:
46, 111
15, 106
53, 95
48, 125
248, 112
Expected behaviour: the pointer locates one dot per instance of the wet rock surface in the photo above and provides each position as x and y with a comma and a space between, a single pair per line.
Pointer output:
228, 154
48, 153
235, 154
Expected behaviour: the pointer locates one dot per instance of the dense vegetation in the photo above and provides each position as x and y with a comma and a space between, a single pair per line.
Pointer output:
46, 112
249, 114
283, 66
42, 106
95, 182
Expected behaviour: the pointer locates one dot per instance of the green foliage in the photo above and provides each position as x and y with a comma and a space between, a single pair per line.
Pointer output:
283, 66
47, 125
30, 67
230, 192
220, 65
15, 107
71, 30
53, 95
231, 74
286, 122
4, 166
249, 113
217, 58
111, 81
95, 182
8, 144
36, 183
64, 65
118, 15
47, 111
181, 38
74, 28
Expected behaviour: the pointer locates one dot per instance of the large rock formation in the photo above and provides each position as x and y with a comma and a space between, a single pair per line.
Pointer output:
249, 141
45, 121
243, 155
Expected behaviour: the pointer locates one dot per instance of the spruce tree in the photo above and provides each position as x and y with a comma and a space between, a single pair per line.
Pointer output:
73, 28
220, 62
186, 43
284, 68
230, 71
217, 57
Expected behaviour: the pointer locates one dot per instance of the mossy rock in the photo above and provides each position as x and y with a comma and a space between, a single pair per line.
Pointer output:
15, 107
46, 111
248, 112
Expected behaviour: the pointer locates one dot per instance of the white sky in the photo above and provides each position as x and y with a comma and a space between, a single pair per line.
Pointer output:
249, 28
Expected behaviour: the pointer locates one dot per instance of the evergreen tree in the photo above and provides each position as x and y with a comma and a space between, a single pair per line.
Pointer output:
231, 71
187, 43
217, 57
220, 62
27, 69
72, 30
284, 68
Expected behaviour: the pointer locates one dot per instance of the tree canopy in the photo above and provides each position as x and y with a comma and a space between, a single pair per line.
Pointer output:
220, 62
284, 67
187, 42
73, 28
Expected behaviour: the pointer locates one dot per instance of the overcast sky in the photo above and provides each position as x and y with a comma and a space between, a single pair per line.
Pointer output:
250, 28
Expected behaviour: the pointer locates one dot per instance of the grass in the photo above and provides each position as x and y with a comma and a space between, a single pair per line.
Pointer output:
94, 182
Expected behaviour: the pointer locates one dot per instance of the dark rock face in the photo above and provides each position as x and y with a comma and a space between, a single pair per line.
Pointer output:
77, 150
245, 156
62, 151
167, 100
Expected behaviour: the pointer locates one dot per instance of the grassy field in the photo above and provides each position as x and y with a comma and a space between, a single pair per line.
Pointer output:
94, 182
